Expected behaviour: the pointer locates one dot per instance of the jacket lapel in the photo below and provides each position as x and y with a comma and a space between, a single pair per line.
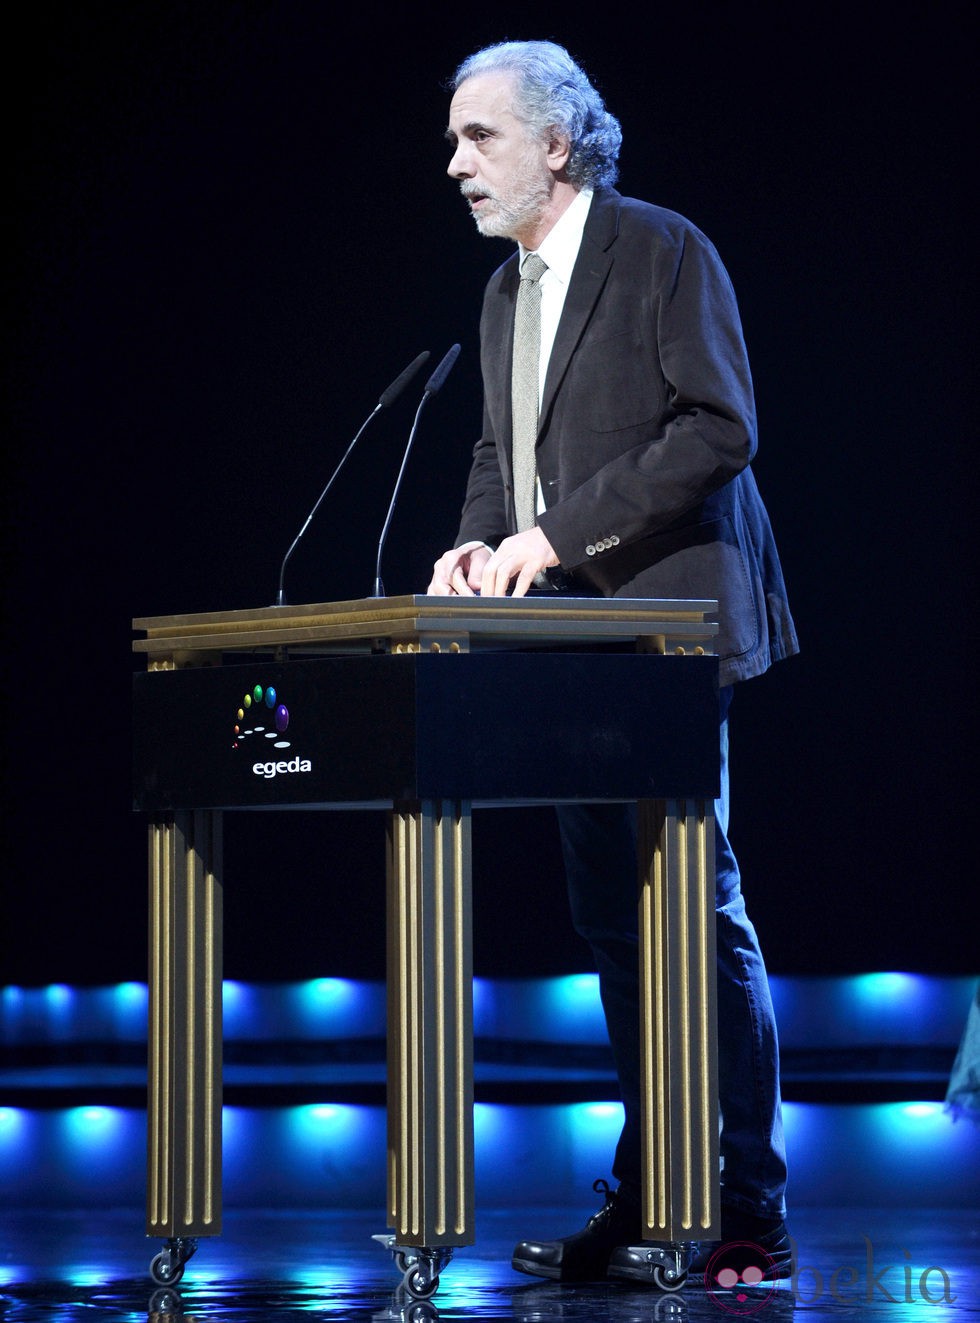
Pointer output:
498, 333
588, 277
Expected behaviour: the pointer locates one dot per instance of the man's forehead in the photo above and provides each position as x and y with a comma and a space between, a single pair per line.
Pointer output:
482, 99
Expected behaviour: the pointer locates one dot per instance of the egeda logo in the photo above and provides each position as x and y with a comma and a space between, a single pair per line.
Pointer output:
260, 706
282, 768
262, 715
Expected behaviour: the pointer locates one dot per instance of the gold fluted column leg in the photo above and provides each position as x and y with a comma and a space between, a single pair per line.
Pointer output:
183, 1198
679, 1051
430, 1024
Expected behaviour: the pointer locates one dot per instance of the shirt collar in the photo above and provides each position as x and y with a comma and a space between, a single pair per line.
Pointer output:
559, 248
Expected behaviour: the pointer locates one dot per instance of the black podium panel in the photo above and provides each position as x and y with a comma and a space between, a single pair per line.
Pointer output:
491, 726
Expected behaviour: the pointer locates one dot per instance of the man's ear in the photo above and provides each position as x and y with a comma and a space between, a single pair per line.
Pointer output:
559, 149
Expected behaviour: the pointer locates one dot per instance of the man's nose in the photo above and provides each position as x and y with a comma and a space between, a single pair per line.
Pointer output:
460, 166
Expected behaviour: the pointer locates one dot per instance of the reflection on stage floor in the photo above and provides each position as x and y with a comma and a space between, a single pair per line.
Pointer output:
272, 1266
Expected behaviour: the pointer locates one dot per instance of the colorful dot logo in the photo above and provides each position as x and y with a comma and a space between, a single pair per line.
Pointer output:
261, 714
739, 1278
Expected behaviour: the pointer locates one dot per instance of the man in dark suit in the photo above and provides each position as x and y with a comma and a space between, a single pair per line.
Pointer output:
640, 486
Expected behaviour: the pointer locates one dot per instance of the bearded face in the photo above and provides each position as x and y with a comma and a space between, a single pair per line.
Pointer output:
509, 207
506, 173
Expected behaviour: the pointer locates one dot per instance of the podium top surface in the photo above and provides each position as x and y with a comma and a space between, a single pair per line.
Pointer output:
428, 622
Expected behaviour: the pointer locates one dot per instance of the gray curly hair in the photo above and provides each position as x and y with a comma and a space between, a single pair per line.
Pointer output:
551, 90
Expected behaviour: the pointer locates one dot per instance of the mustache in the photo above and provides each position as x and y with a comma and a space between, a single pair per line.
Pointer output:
470, 190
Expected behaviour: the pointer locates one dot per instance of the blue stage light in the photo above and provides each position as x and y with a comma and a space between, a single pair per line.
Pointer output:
14, 1122
593, 1127
921, 1111
338, 1008
888, 988
126, 1007
338, 1123
131, 995
237, 1008
322, 1003
482, 998
492, 1125
92, 1128
59, 997
574, 1002
555, 1010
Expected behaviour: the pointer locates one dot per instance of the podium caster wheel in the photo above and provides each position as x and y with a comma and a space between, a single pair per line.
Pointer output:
164, 1270
664, 1280
167, 1267
418, 1284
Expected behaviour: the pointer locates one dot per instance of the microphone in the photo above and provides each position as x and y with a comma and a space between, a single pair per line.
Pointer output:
433, 385
387, 398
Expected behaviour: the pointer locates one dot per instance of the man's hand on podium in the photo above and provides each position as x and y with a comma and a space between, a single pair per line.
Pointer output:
473, 568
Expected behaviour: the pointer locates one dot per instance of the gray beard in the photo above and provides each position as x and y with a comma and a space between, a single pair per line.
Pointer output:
512, 214
509, 219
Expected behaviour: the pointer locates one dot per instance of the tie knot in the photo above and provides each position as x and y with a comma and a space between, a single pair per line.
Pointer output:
532, 268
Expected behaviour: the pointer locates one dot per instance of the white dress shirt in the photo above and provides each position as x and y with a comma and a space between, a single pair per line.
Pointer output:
559, 251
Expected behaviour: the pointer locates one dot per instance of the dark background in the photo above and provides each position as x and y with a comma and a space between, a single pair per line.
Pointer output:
229, 228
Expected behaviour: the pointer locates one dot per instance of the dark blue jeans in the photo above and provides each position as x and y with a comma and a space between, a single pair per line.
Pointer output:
599, 849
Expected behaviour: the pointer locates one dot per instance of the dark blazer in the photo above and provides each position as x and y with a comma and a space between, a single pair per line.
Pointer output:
646, 433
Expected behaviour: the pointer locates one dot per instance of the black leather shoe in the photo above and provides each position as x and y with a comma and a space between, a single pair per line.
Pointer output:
584, 1256
743, 1237
742, 1229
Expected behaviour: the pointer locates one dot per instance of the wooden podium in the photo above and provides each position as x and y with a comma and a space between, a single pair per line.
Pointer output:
426, 707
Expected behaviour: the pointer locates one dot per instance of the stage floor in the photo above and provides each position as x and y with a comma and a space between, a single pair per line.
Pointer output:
272, 1266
